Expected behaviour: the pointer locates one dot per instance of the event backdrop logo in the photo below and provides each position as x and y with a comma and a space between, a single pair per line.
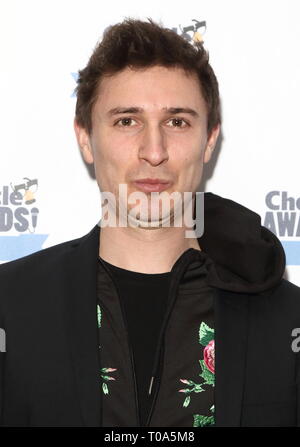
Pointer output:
19, 212
283, 219
194, 30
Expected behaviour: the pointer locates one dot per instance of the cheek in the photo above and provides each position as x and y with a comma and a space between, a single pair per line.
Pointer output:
190, 170
106, 153
114, 149
111, 166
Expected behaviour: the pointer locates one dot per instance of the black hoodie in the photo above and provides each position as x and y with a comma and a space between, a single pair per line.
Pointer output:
237, 254
247, 256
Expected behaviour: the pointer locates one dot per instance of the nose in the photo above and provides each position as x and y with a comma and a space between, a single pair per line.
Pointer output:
152, 146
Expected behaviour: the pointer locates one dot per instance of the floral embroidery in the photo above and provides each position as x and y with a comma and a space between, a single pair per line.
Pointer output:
207, 365
104, 377
104, 370
209, 356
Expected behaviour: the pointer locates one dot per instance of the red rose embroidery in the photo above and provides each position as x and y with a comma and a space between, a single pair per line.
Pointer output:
209, 356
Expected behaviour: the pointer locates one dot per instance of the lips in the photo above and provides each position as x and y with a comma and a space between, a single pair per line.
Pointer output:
152, 185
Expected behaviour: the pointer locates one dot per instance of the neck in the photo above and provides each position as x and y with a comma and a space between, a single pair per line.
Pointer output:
144, 250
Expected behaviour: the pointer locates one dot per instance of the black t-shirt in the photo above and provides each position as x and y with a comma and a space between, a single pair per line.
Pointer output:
144, 297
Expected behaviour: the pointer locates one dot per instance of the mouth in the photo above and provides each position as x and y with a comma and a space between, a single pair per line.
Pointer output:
152, 185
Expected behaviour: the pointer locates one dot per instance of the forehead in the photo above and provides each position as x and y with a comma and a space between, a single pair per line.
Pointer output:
150, 87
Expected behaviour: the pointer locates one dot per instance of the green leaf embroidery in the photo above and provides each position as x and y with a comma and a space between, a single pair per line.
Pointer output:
206, 334
99, 315
202, 421
207, 375
198, 388
186, 401
104, 388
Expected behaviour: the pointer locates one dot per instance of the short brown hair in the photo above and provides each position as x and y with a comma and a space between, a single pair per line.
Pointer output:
139, 44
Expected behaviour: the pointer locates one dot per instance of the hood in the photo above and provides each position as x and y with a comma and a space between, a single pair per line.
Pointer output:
246, 257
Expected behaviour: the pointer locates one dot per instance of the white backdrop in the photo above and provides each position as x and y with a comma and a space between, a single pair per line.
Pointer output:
254, 50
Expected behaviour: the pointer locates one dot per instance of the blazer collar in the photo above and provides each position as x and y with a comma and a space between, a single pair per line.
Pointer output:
80, 298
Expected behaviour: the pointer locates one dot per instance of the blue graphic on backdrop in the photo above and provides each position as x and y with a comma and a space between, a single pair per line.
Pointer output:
292, 252
283, 220
75, 77
15, 247
17, 214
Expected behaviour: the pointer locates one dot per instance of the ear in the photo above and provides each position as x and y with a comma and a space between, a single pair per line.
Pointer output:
84, 143
211, 142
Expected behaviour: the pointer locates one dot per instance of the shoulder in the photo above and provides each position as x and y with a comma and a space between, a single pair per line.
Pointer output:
24, 281
285, 299
36, 260
44, 272
288, 288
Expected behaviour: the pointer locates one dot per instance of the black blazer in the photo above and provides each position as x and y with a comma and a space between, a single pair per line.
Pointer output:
50, 370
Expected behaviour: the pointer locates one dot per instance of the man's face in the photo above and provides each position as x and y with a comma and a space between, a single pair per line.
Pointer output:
151, 142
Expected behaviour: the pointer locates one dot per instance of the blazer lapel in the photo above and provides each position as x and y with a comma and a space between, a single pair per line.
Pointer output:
80, 299
231, 312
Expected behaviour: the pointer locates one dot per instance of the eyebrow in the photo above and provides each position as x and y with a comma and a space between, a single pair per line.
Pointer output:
171, 110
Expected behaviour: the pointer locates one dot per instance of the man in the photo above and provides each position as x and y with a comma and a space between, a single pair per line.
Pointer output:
139, 325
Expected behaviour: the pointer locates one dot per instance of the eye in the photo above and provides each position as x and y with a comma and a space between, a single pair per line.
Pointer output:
123, 120
179, 120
